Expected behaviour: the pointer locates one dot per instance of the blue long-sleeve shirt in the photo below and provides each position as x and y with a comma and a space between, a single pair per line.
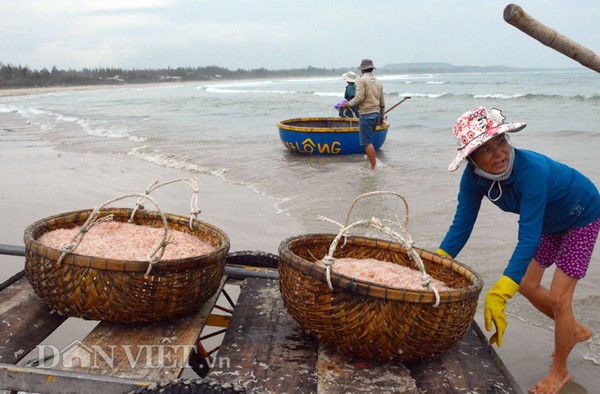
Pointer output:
550, 197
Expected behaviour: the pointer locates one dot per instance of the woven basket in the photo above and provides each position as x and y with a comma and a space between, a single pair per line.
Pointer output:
370, 320
119, 291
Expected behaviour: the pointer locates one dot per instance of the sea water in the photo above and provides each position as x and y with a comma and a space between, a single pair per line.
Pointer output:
227, 129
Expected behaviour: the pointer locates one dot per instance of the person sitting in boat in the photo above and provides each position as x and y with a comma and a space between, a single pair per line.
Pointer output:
559, 220
371, 107
349, 93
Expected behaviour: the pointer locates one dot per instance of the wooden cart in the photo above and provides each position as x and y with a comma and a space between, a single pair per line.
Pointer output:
263, 350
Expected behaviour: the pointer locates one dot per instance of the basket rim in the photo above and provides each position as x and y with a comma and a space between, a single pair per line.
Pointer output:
369, 289
183, 264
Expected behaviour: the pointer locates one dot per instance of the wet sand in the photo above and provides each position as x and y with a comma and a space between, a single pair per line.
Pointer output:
56, 89
39, 181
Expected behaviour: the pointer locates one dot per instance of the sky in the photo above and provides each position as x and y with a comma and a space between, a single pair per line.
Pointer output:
284, 34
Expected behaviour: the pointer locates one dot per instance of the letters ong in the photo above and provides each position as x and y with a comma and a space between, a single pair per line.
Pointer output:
308, 146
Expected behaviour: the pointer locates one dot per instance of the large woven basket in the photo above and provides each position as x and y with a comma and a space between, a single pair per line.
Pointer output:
370, 320
119, 291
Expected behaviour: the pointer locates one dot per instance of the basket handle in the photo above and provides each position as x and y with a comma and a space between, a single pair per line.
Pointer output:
191, 182
377, 193
93, 219
405, 240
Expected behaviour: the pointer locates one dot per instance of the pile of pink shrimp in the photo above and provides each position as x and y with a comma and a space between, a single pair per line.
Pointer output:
384, 273
127, 241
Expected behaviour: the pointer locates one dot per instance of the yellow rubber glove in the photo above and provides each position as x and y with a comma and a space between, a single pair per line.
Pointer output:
495, 302
442, 252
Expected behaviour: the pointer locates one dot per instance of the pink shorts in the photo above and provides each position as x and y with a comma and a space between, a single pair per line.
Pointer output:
571, 250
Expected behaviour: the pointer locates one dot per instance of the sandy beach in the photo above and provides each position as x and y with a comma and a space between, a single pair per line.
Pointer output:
58, 89
39, 180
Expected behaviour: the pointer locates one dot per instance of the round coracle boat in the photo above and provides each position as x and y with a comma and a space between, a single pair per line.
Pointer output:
369, 320
326, 136
122, 291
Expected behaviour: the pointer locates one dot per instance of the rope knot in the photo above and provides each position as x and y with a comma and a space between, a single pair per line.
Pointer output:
67, 247
328, 260
425, 280
151, 261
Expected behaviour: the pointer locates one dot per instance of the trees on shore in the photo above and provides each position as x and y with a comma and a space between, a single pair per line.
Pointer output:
22, 76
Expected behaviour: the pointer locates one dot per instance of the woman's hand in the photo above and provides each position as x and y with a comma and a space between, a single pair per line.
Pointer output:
495, 303
442, 252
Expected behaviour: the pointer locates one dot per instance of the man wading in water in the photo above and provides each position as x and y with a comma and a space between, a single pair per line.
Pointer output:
371, 107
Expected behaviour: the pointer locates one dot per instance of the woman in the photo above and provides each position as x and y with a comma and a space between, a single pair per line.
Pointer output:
349, 93
559, 219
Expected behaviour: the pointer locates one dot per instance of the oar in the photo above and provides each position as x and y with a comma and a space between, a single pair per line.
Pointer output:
397, 104
515, 15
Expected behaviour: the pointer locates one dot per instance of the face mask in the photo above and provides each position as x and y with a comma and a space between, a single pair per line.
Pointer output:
496, 178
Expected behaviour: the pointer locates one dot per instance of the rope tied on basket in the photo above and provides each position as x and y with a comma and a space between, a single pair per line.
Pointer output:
93, 219
328, 261
76, 240
153, 258
191, 182
404, 239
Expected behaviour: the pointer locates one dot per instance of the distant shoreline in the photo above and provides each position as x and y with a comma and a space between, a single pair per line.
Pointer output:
80, 80
13, 91
78, 88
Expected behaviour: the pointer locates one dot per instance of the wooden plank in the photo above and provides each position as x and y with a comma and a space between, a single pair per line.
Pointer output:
156, 352
25, 321
48, 381
511, 381
264, 349
340, 373
467, 366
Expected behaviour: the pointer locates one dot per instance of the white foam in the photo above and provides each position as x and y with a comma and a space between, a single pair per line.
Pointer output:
498, 96
278, 205
404, 76
594, 358
93, 129
8, 109
243, 84
33, 111
328, 94
64, 118
170, 161
243, 91
426, 95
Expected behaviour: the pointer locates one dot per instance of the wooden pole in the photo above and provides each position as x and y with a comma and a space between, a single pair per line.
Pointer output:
397, 104
514, 15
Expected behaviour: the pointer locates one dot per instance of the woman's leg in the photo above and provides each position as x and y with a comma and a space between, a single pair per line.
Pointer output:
532, 289
561, 301
571, 252
540, 298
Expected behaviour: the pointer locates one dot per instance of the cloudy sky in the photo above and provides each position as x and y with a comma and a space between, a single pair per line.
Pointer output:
281, 34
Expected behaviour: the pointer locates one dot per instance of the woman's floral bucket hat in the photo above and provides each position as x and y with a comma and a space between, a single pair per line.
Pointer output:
476, 127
